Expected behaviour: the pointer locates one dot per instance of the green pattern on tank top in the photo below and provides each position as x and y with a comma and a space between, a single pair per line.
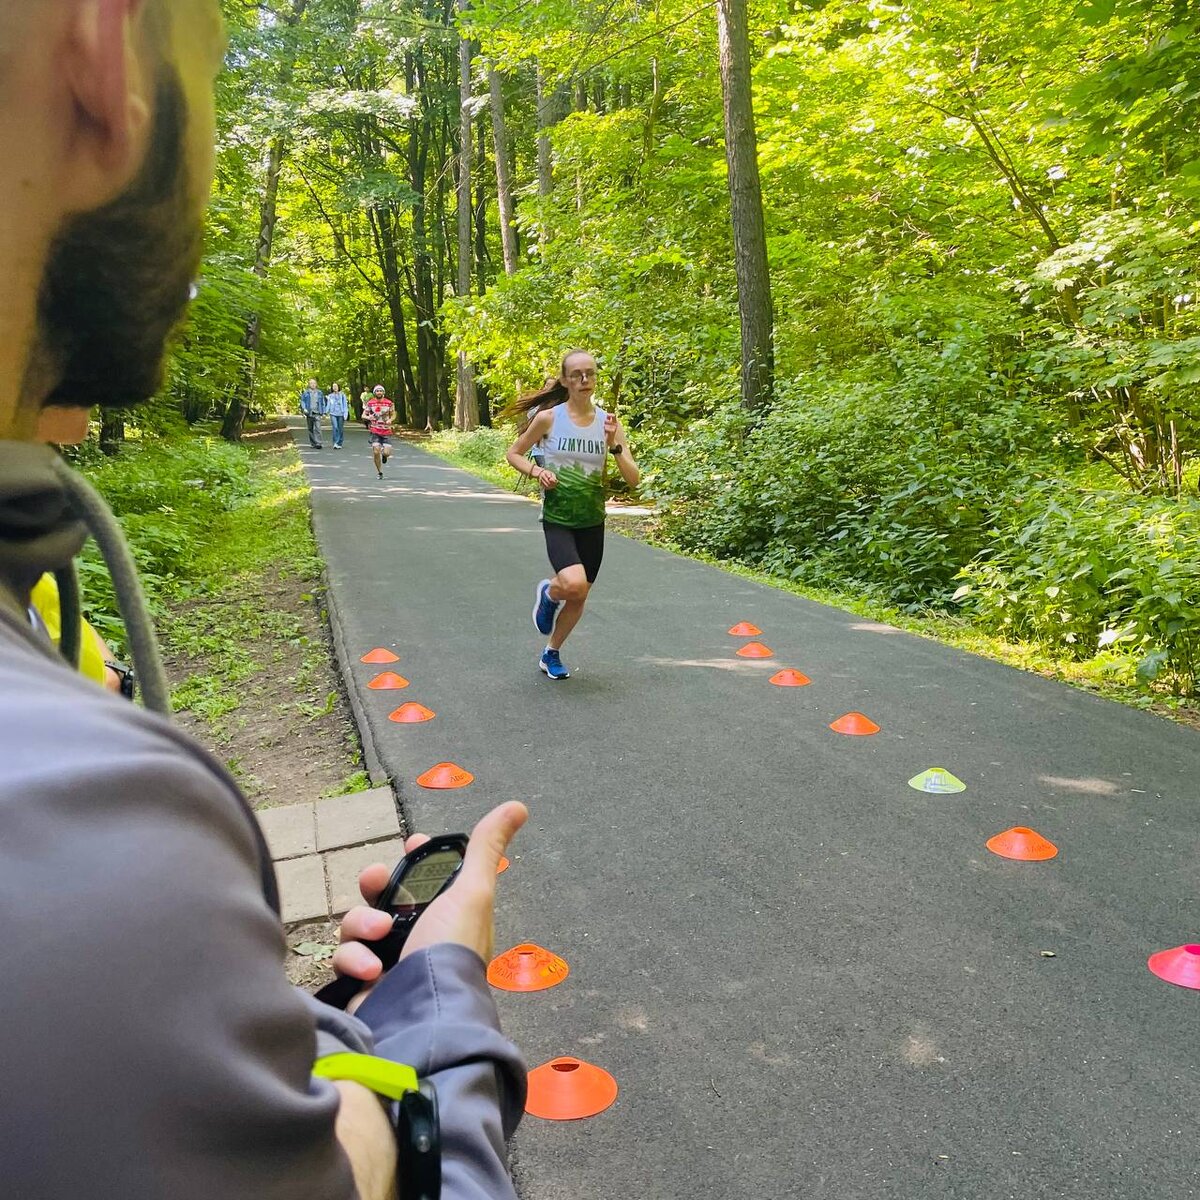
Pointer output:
576, 456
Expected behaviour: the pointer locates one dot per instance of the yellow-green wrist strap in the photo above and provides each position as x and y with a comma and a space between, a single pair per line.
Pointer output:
379, 1075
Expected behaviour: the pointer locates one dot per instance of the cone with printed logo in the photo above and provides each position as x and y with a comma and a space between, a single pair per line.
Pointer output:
379, 656
389, 681
938, 781
1024, 845
854, 724
744, 629
790, 678
526, 968
755, 650
568, 1089
1180, 966
445, 775
411, 714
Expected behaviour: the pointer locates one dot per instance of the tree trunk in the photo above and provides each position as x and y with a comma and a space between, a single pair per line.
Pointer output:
545, 167
466, 403
242, 399
508, 238
480, 256
112, 431
746, 211
418, 159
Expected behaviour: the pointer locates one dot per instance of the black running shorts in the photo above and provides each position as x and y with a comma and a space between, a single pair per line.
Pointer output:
575, 548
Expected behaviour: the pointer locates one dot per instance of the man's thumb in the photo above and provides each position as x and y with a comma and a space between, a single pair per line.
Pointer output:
490, 838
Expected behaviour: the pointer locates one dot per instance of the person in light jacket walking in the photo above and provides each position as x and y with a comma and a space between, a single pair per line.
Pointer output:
337, 405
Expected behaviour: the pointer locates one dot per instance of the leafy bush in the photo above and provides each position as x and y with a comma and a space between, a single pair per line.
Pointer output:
484, 447
1087, 569
892, 481
167, 496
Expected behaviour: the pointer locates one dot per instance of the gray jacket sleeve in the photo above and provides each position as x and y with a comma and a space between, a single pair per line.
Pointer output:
151, 1044
435, 1012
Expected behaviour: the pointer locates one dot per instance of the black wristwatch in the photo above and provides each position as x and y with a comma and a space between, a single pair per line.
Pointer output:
412, 1108
617, 449
127, 677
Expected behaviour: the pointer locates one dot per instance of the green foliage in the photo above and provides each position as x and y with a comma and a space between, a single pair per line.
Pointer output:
169, 495
1090, 570
889, 475
359, 781
484, 447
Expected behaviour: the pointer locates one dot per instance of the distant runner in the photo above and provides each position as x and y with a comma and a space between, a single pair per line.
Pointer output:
380, 415
575, 438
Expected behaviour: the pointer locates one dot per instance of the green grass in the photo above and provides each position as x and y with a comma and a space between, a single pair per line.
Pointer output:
217, 615
360, 781
478, 453
1100, 675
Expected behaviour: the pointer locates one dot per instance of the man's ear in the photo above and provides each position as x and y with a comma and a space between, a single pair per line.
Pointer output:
107, 77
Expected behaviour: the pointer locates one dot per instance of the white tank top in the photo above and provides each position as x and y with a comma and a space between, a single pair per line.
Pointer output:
576, 455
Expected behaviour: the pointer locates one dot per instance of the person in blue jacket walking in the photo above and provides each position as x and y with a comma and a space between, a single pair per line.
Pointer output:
337, 405
312, 405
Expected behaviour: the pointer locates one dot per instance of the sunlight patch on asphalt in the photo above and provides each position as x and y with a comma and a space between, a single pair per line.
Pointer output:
1090, 787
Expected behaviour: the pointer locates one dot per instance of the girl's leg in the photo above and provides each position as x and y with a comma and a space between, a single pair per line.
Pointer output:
573, 583
571, 586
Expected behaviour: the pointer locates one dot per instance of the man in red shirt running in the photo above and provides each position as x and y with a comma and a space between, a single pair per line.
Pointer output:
380, 415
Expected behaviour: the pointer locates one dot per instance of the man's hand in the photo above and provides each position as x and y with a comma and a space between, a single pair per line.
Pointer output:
462, 914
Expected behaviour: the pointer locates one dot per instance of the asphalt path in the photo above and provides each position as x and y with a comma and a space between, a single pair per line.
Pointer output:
809, 979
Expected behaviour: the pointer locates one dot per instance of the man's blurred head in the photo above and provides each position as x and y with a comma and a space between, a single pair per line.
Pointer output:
106, 132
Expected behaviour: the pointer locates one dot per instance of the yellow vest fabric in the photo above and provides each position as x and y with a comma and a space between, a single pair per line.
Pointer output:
45, 600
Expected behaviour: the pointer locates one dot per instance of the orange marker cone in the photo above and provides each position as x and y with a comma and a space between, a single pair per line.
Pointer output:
411, 714
504, 865
389, 681
745, 629
854, 724
790, 678
755, 650
526, 968
1022, 844
566, 1089
1180, 966
379, 656
445, 775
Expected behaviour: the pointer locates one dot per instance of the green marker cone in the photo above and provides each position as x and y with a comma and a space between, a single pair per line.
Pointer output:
937, 780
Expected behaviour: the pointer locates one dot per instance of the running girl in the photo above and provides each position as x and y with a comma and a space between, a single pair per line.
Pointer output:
575, 437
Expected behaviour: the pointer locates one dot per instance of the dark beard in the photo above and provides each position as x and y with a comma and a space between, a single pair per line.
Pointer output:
118, 280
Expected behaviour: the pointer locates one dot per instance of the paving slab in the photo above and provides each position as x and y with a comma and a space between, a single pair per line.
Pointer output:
290, 830
343, 867
302, 888
359, 817
809, 979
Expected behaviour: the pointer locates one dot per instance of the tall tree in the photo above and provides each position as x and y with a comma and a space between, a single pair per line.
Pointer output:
242, 399
545, 171
746, 209
504, 199
466, 402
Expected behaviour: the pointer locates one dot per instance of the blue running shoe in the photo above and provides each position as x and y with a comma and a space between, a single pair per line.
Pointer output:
545, 610
552, 665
